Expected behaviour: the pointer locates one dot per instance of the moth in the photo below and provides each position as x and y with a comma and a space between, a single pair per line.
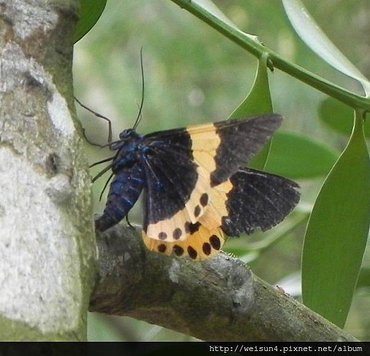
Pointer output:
197, 190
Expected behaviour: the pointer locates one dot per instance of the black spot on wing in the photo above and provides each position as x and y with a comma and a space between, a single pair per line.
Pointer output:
204, 199
197, 211
206, 247
240, 141
192, 252
170, 174
178, 250
215, 242
258, 200
177, 233
192, 228
162, 236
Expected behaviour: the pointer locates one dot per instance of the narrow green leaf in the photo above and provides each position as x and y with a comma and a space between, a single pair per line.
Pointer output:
337, 232
298, 157
309, 31
257, 102
90, 12
338, 117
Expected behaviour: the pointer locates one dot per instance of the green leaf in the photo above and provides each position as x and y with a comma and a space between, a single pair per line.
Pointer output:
298, 157
309, 31
90, 12
337, 232
214, 11
364, 278
337, 116
257, 102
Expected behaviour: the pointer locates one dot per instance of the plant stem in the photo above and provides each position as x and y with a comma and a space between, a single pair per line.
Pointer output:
253, 46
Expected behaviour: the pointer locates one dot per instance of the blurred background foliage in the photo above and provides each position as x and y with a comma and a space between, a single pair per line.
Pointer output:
194, 75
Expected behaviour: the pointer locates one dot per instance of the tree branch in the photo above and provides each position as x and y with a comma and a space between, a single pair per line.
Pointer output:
216, 300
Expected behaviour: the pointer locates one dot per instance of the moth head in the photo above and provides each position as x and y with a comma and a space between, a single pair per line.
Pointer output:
127, 134
126, 137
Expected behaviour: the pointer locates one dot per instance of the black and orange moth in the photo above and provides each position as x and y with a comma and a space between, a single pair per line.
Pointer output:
196, 189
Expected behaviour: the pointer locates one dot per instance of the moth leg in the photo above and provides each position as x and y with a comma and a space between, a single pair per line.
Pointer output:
101, 117
89, 141
105, 186
128, 223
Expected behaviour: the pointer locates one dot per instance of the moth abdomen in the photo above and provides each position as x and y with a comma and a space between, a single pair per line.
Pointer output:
124, 191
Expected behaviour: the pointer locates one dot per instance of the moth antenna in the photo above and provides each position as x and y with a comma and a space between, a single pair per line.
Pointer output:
138, 118
105, 186
101, 117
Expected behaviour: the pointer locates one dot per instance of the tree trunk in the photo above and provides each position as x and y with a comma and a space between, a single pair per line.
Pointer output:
47, 248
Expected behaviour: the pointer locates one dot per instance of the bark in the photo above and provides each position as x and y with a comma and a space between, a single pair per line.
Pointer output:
216, 300
47, 249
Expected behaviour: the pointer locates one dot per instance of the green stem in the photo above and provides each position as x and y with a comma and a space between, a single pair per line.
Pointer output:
256, 48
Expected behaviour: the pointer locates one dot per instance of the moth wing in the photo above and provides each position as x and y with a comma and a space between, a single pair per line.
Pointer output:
184, 165
258, 200
221, 148
199, 245
174, 188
